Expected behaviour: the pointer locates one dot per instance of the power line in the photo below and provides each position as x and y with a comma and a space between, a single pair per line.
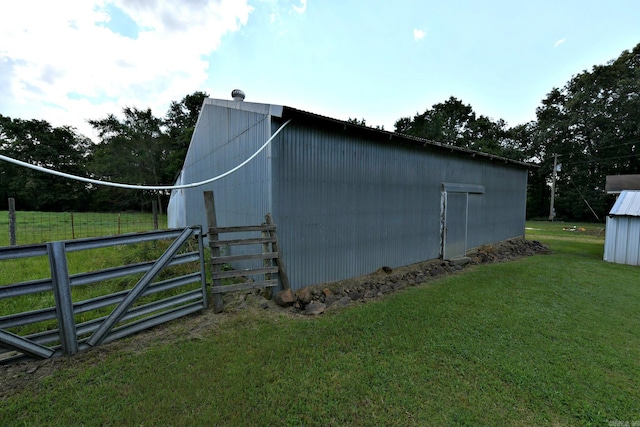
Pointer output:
597, 160
620, 145
142, 187
585, 200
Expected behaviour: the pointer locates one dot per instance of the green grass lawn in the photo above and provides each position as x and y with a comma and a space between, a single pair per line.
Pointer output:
546, 340
40, 227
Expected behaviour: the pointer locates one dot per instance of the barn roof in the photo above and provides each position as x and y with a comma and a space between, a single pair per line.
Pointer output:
328, 123
628, 204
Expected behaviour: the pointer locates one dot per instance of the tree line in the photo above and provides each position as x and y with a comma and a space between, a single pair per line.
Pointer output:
139, 148
592, 124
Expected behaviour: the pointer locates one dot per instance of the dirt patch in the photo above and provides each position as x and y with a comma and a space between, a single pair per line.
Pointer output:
312, 300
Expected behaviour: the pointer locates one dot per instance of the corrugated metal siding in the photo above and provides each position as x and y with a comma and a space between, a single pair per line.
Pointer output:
223, 139
628, 203
346, 206
500, 212
622, 241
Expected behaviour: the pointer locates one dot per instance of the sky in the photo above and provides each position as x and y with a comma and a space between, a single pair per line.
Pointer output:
70, 61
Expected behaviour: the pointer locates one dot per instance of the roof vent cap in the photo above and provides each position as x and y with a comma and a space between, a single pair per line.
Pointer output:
237, 95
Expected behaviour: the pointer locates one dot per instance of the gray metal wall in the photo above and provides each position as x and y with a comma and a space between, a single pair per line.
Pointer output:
345, 206
499, 213
224, 138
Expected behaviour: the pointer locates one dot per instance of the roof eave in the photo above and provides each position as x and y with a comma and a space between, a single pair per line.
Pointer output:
305, 116
284, 112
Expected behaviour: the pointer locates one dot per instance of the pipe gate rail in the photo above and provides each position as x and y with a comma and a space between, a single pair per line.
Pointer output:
65, 335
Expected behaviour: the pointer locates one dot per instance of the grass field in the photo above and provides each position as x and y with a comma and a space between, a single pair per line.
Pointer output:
39, 227
546, 340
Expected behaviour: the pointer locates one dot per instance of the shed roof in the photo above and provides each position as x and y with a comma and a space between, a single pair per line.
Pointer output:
628, 204
617, 183
325, 122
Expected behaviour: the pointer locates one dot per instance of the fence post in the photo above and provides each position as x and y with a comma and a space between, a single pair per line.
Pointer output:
12, 221
73, 228
154, 207
212, 224
62, 294
284, 277
266, 263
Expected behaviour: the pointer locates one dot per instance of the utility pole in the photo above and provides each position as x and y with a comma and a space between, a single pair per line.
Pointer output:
552, 212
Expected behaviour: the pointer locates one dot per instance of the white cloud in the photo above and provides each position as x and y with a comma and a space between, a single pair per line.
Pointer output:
66, 48
559, 42
418, 34
302, 7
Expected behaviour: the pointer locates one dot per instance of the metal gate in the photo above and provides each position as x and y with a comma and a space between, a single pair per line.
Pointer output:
148, 303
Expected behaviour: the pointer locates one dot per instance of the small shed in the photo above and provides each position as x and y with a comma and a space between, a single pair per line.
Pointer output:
347, 199
622, 241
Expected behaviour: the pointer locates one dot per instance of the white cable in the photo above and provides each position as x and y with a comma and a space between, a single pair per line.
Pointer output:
143, 187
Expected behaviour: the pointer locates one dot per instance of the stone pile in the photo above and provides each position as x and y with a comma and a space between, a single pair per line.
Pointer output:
314, 300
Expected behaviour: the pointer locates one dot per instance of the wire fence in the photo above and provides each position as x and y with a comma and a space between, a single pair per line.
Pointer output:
21, 228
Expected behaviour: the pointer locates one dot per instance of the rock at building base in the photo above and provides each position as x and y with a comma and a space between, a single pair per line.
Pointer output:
344, 301
314, 308
355, 296
330, 299
285, 298
462, 261
304, 295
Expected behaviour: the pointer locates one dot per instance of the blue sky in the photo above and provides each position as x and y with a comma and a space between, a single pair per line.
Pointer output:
378, 60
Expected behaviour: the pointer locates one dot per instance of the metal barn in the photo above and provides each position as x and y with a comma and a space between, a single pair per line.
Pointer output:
622, 240
347, 199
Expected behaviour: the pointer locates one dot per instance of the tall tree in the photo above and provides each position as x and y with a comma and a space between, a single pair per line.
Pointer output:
132, 150
453, 122
593, 125
39, 143
180, 121
140, 148
447, 122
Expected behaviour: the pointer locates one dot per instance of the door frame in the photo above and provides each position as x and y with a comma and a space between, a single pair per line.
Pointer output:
450, 187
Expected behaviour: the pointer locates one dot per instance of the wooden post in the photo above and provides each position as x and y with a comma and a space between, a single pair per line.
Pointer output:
552, 211
12, 221
154, 208
281, 270
212, 224
267, 263
73, 228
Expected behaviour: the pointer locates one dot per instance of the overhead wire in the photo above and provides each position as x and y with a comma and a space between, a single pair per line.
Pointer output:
144, 187
585, 200
598, 160
620, 145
